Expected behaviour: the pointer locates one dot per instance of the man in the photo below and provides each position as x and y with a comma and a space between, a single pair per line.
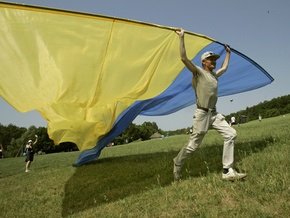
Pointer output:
205, 84
233, 121
1, 151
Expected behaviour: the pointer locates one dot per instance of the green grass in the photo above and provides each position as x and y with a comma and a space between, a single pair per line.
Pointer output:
135, 180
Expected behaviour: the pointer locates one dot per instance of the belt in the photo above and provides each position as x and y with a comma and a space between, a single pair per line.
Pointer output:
206, 109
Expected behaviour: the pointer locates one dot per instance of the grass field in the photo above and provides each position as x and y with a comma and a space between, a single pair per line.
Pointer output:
135, 180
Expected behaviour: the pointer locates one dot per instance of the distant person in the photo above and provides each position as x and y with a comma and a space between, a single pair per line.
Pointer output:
29, 153
1, 151
205, 85
233, 121
260, 118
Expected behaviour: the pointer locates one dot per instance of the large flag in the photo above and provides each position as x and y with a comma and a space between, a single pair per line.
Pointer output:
90, 75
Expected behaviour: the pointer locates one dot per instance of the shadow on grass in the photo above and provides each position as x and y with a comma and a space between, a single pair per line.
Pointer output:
110, 179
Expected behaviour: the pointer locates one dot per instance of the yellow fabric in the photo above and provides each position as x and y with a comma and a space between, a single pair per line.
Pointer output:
82, 71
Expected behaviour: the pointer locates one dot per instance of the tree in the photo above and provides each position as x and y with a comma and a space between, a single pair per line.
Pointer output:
132, 133
65, 147
7, 133
13, 148
272, 112
147, 129
44, 144
275, 107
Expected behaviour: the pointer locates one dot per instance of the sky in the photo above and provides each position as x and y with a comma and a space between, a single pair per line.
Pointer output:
259, 29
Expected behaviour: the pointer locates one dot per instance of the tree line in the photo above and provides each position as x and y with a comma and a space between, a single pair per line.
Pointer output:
14, 139
275, 107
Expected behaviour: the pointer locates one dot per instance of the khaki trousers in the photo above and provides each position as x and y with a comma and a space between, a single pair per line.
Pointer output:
202, 120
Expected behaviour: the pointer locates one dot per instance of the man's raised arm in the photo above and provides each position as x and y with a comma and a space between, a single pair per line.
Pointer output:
191, 66
225, 64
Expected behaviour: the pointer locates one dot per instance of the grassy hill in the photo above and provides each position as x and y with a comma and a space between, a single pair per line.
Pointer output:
135, 180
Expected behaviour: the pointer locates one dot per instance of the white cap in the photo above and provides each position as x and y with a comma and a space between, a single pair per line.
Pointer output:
29, 141
209, 54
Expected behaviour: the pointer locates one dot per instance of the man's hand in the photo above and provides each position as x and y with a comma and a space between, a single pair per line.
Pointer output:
227, 48
180, 32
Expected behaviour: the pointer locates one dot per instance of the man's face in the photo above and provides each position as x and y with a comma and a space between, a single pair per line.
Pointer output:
209, 63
